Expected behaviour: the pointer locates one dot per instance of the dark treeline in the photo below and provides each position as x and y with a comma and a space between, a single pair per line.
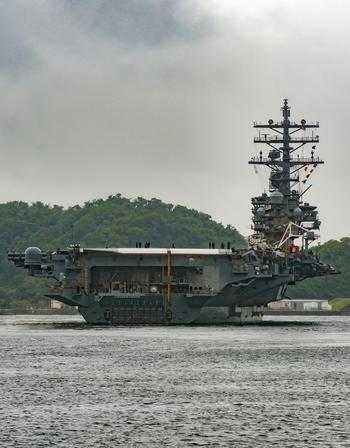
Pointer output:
120, 222
116, 221
337, 253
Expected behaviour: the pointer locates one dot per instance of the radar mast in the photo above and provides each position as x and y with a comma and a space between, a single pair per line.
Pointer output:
281, 217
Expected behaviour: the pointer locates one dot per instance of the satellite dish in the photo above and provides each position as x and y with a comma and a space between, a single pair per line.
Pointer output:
270, 122
303, 122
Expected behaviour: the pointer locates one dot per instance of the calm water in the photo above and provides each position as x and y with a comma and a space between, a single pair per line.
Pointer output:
284, 384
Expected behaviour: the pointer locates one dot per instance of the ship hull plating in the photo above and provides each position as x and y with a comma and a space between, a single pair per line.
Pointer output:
230, 306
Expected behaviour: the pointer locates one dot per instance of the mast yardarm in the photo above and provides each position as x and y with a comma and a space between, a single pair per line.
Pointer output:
281, 216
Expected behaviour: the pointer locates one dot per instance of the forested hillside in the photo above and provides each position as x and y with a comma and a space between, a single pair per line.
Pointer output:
116, 221
337, 253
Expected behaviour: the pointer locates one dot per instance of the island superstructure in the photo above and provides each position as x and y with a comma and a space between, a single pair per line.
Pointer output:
147, 285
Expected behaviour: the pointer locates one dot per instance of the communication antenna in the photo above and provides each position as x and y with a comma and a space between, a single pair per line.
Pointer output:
284, 207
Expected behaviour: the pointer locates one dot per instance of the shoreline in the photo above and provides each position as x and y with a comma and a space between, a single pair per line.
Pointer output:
307, 313
40, 311
74, 312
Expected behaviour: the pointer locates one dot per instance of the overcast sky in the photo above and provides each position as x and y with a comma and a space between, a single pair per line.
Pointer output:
156, 98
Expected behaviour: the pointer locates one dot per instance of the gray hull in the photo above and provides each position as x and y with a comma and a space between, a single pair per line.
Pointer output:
234, 304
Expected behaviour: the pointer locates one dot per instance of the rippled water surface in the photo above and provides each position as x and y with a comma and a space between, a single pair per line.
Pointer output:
65, 384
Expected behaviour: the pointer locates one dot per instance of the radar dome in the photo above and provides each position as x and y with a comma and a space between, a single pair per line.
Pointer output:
276, 197
32, 255
260, 212
297, 212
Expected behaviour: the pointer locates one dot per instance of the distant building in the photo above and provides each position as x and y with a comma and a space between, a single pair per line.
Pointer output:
56, 305
301, 305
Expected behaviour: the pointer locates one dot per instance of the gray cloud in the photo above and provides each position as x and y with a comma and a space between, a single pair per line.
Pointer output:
17, 55
136, 21
157, 99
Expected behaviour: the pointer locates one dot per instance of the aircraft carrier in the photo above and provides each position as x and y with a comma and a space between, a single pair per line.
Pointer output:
144, 285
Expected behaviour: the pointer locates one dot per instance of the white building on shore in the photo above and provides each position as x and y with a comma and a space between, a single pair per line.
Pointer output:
301, 305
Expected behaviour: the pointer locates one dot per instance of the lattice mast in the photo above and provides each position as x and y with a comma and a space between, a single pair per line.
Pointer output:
281, 217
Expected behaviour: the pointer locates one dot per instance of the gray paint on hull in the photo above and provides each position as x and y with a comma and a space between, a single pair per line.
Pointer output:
188, 310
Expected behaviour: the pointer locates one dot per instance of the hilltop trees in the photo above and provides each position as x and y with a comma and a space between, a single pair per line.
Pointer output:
116, 221
336, 253
121, 222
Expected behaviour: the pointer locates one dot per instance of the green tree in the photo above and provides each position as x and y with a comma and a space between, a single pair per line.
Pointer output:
115, 221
